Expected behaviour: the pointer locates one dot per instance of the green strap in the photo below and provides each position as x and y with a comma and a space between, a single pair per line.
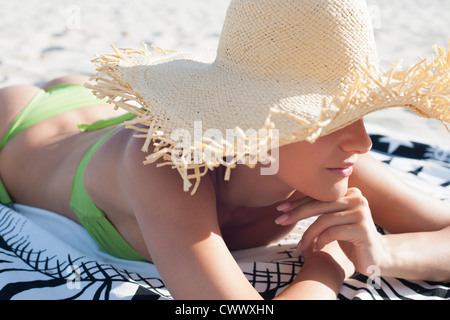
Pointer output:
106, 123
80, 200
4, 195
23, 120
55, 103
93, 219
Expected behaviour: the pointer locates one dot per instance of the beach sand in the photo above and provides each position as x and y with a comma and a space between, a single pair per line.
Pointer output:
41, 40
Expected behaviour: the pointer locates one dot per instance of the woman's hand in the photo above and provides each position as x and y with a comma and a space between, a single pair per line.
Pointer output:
336, 254
347, 221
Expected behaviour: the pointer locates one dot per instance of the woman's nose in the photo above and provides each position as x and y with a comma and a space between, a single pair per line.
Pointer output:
357, 140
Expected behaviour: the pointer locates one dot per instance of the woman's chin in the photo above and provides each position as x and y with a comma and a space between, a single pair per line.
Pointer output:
335, 192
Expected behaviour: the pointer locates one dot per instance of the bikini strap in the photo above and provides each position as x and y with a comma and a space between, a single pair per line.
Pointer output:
4, 195
93, 219
106, 123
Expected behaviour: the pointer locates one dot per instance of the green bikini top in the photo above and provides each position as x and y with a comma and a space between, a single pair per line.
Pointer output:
90, 216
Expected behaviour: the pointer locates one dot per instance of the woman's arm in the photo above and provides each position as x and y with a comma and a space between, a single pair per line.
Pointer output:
320, 278
322, 275
395, 205
183, 237
418, 248
418, 256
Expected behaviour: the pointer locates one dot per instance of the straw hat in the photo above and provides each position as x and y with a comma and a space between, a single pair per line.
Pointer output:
284, 71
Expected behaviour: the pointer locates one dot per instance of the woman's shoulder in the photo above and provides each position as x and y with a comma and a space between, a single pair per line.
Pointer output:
159, 182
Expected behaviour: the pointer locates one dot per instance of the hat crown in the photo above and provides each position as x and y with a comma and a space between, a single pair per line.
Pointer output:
322, 40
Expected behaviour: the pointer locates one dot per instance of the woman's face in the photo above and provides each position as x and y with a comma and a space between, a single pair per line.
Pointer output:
321, 170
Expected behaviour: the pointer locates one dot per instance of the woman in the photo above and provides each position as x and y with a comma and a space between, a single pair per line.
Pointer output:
139, 211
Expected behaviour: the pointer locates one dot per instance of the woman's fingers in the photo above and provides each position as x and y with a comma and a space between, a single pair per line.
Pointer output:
288, 206
351, 211
339, 233
324, 223
307, 208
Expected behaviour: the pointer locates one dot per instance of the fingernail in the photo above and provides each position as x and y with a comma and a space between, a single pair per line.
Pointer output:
284, 206
282, 219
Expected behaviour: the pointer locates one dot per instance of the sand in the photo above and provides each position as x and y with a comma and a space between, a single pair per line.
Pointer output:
41, 40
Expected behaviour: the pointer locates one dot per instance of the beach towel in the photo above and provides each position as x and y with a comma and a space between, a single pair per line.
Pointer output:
46, 256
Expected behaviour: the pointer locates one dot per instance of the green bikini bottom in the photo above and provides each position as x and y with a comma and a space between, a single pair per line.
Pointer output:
49, 103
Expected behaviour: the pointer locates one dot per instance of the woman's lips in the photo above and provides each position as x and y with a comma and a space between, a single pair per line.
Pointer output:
342, 171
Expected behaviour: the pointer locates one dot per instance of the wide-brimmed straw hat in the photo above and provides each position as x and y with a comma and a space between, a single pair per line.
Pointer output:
285, 71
